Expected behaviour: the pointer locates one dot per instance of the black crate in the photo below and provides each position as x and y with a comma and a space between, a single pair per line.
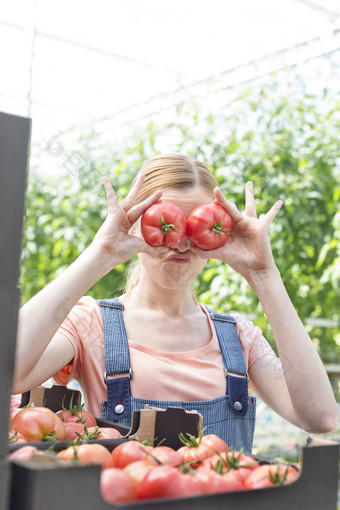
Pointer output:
140, 428
58, 446
43, 487
54, 398
14, 140
147, 424
4, 484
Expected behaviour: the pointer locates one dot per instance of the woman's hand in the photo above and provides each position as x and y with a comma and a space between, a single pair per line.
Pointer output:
113, 238
248, 249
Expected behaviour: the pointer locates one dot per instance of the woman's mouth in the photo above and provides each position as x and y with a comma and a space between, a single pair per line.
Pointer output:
179, 259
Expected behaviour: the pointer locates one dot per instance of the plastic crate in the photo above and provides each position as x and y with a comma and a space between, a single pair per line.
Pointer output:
49, 487
14, 140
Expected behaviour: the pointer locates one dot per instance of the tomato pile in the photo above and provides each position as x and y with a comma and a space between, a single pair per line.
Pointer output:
136, 471
31, 424
204, 465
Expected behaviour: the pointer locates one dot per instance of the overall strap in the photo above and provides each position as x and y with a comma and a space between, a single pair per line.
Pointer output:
231, 349
117, 359
233, 360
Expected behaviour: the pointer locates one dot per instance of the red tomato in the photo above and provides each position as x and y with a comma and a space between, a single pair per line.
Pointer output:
198, 449
215, 482
232, 460
116, 486
138, 469
13, 412
38, 424
104, 432
72, 429
164, 455
244, 464
268, 475
77, 415
25, 453
167, 482
209, 226
15, 401
128, 452
87, 454
163, 225
15, 437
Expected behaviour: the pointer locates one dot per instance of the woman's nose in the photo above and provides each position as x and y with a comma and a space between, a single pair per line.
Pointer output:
183, 245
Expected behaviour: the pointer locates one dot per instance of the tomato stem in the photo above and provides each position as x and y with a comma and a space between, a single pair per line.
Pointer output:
51, 448
166, 227
220, 466
158, 462
187, 468
75, 458
190, 441
74, 410
51, 436
151, 442
218, 228
13, 436
277, 478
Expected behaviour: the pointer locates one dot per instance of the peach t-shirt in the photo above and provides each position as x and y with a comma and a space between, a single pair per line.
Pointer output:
157, 375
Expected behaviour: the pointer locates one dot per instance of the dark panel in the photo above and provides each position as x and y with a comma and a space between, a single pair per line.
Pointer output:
9, 302
14, 139
4, 485
41, 489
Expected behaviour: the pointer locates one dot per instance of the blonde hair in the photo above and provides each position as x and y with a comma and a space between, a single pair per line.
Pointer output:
169, 171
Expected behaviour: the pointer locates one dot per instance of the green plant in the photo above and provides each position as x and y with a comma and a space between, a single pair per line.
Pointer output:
284, 140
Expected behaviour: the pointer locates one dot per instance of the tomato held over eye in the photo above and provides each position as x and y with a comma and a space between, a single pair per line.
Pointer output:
163, 225
209, 226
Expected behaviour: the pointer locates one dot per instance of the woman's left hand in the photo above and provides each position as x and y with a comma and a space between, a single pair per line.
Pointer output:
248, 248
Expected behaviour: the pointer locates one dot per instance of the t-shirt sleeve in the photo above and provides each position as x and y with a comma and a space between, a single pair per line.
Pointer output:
76, 328
254, 344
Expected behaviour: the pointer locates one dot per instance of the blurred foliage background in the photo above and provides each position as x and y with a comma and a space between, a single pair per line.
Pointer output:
286, 143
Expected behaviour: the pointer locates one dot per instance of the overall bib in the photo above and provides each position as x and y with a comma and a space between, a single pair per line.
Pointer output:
231, 416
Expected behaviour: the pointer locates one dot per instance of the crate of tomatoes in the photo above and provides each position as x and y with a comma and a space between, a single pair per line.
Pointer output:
50, 419
53, 418
200, 471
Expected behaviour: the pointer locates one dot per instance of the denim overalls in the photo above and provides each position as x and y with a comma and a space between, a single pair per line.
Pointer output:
231, 416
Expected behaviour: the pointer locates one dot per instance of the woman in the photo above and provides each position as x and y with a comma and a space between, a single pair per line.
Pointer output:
156, 343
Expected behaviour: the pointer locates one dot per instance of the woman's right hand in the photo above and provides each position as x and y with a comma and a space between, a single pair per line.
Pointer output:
113, 238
